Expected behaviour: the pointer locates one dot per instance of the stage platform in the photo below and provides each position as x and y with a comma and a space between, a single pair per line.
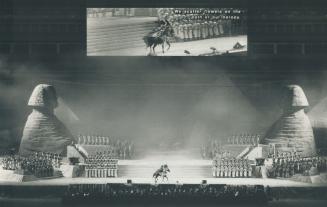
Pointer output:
183, 171
211, 181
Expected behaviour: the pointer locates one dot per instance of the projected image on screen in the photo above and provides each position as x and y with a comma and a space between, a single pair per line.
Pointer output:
166, 31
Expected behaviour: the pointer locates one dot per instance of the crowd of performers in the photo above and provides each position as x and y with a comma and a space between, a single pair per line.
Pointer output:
290, 163
109, 12
201, 23
99, 12
244, 139
230, 167
211, 149
214, 148
39, 164
101, 165
163, 193
121, 149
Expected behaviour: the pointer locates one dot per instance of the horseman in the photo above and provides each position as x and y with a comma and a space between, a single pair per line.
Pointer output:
161, 172
158, 31
159, 36
165, 171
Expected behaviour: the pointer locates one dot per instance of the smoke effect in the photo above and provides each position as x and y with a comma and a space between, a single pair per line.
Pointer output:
317, 111
162, 102
168, 107
64, 112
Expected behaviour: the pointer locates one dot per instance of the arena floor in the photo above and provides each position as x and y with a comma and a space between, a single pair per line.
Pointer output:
230, 181
183, 171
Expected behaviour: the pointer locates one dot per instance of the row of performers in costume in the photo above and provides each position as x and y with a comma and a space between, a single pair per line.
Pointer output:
288, 166
244, 139
101, 165
160, 193
194, 26
102, 140
123, 149
40, 164
213, 151
117, 153
198, 30
99, 12
231, 168
110, 12
285, 155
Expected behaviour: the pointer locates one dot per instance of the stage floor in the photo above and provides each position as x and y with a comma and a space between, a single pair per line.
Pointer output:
169, 160
183, 171
229, 181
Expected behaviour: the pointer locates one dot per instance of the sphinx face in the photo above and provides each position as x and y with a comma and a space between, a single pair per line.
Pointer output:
44, 96
294, 98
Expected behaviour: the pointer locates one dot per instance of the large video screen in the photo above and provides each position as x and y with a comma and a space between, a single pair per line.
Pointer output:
166, 31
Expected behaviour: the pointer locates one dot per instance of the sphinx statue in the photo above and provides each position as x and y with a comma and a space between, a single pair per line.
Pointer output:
293, 130
43, 131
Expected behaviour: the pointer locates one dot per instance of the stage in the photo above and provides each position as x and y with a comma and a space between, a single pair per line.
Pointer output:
150, 180
185, 165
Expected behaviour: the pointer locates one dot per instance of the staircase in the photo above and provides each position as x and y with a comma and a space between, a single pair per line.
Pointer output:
245, 152
236, 150
111, 37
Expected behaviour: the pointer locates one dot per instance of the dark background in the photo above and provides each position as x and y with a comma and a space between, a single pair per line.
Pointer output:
150, 98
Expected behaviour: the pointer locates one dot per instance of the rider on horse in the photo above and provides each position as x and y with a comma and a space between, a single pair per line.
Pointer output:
161, 172
157, 32
165, 171
159, 36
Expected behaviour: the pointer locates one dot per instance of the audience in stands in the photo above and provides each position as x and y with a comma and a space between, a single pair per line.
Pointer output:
40, 164
163, 193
